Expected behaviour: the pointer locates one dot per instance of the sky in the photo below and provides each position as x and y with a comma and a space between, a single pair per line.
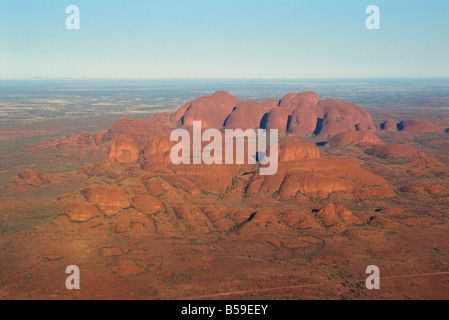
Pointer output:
224, 39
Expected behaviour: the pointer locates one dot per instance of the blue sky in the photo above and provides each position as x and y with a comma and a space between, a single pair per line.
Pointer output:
224, 39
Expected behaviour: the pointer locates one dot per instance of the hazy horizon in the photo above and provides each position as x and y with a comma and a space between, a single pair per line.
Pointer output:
231, 39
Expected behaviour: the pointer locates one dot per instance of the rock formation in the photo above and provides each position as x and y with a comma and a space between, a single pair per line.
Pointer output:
394, 151
418, 126
360, 138
124, 149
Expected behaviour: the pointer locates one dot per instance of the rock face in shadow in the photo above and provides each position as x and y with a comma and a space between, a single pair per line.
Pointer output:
296, 115
249, 114
304, 114
418, 126
389, 125
338, 116
212, 110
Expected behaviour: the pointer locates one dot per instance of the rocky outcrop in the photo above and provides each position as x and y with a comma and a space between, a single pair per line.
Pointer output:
335, 215
297, 149
109, 199
359, 138
418, 126
250, 114
318, 178
303, 114
124, 149
337, 116
31, 177
212, 110
435, 190
81, 212
389, 125
139, 130
148, 204
394, 151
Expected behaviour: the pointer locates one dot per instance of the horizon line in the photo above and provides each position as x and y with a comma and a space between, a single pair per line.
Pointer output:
224, 78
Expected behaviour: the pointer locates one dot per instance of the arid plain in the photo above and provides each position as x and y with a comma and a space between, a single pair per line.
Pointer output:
355, 187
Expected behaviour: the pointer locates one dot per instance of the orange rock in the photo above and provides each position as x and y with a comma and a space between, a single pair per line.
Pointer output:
120, 228
354, 137
332, 214
182, 183
277, 119
389, 125
224, 224
80, 212
338, 116
394, 151
103, 167
191, 215
124, 149
249, 114
319, 177
154, 188
214, 213
148, 204
312, 185
427, 163
303, 122
202, 248
303, 113
32, 177
94, 223
212, 110
110, 199
418, 126
214, 178
302, 100
293, 150
291, 217
435, 190
139, 130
